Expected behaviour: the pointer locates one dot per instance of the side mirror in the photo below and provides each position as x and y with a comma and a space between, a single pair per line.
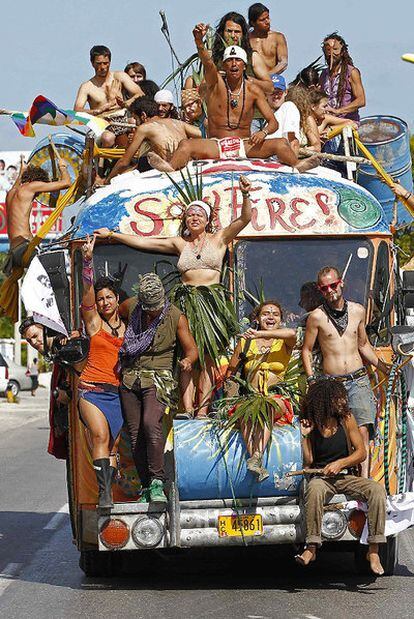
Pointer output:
408, 289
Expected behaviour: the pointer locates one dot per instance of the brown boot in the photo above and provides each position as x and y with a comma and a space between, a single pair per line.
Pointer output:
254, 463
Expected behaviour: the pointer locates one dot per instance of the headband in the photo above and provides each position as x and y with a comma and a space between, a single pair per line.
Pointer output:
206, 207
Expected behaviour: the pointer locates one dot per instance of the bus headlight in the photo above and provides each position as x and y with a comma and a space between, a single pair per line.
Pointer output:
334, 524
147, 532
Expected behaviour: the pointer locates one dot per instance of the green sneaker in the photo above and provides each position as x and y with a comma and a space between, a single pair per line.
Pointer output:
156, 492
145, 496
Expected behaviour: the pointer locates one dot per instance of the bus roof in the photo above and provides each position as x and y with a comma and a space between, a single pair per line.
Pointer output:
284, 203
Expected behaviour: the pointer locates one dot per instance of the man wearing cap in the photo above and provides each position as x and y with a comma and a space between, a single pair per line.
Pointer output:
271, 45
147, 357
286, 113
166, 107
231, 102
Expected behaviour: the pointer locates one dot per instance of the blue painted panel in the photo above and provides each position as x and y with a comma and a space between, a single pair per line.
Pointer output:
208, 463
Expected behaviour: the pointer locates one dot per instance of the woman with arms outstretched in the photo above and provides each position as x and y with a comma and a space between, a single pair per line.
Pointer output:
200, 295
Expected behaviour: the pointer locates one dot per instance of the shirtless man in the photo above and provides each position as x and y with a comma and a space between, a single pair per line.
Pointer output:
272, 46
231, 100
31, 181
103, 92
160, 135
339, 326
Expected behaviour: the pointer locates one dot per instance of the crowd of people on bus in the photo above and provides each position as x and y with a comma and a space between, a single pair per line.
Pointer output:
137, 345
234, 104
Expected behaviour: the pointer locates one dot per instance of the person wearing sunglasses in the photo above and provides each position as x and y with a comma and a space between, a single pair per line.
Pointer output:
339, 327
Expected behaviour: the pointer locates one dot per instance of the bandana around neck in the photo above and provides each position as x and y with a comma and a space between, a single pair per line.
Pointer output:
339, 318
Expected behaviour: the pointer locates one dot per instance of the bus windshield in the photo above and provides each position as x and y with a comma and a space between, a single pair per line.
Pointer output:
109, 260
276, 269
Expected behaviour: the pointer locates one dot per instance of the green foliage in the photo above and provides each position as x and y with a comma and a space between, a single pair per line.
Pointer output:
256, 409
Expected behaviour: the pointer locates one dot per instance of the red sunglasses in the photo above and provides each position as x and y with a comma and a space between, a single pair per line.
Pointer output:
329, 287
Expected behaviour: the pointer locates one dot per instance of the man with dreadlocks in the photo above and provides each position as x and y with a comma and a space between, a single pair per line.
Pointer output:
332, 443
341, 80
31, 181
339, 327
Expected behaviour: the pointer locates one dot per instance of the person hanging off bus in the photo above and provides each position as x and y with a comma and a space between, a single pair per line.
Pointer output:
332, 443
339, 327
231, 101
147, 359
31, 181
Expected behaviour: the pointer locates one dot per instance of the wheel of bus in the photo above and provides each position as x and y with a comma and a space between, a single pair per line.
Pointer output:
96, 563
388, 555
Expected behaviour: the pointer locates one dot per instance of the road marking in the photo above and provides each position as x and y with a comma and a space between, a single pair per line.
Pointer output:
7, 576
55, 521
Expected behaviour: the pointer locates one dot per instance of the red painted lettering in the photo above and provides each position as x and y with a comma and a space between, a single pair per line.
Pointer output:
297, 212
322, 200
276, 215
254, 223
156, 219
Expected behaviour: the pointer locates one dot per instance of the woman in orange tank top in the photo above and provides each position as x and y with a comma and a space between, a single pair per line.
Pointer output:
99, 403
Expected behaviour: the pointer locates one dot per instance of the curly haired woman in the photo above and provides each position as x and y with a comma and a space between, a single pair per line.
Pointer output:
332, 442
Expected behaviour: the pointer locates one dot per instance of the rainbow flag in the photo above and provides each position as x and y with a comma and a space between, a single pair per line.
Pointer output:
20, 120
45, 112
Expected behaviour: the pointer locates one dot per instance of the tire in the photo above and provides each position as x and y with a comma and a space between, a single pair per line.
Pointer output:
14, 386
95, 563
388, 554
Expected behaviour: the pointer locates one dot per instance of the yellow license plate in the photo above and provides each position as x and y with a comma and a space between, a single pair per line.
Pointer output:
230, 526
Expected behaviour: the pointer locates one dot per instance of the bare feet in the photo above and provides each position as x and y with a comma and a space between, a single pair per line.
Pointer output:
308, 163
158, 163
375, 563
307, 556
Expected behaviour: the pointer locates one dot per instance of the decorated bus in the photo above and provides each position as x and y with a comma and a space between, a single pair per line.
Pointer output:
300, 222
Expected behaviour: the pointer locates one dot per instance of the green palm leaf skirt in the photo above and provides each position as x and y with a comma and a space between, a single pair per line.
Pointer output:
256, 409
211, 317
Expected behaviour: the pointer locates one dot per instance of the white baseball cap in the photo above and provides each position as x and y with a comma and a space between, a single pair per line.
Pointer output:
164, 96
234, 51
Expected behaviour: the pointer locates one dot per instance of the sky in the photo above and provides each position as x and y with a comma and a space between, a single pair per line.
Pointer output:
45, 46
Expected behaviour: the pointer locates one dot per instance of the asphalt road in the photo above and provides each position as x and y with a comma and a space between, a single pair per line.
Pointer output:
40, 577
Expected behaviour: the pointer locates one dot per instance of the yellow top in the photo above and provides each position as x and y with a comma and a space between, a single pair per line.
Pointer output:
260, 362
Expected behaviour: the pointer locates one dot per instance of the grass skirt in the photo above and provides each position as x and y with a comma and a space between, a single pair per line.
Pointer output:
211, 317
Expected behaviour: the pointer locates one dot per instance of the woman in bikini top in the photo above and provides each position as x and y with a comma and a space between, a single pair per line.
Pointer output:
201, 252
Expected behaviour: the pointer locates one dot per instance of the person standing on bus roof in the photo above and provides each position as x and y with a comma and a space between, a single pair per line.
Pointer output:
339, 327
271, 45
155, 327
341, 80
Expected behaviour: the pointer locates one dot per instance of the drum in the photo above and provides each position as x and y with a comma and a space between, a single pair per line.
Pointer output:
70, 148
388, 139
